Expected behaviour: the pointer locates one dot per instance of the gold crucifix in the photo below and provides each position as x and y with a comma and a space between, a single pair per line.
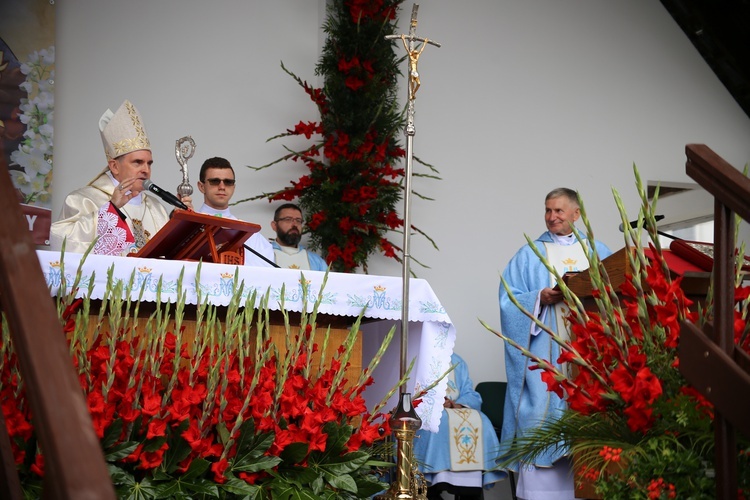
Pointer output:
413, 51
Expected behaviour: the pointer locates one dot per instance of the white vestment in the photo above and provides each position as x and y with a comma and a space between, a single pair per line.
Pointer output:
257, 242
78, 221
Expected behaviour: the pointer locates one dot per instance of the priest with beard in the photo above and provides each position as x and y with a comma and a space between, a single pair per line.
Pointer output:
287, 222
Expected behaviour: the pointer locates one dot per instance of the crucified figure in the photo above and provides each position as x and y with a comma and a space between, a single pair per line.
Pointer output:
414, 82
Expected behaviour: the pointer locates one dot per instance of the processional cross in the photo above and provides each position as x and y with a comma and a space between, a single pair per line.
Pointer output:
413, 51
409, 482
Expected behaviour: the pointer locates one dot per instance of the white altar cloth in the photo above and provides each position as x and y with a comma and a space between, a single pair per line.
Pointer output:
431, 333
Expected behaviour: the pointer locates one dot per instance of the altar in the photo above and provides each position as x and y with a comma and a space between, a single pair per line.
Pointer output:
431, 333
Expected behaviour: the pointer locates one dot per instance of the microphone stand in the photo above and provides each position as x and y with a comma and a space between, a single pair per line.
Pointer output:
257, 254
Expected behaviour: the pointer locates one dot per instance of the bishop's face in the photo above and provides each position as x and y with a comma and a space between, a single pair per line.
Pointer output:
134, 165
559, 214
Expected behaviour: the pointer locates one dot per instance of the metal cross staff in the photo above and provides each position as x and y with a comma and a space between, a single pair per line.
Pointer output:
409, 482
413, 52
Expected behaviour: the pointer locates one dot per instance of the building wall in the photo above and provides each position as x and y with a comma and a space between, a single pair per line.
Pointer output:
522, 97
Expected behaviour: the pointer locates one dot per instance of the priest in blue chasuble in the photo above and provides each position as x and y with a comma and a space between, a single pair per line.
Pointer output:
528, 403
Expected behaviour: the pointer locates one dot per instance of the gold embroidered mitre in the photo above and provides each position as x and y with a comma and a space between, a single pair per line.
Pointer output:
122, 131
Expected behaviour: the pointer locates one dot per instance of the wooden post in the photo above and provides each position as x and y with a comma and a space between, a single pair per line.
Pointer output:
74, 463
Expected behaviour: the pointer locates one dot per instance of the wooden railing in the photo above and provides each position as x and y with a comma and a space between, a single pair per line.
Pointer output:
74, 466
709, 359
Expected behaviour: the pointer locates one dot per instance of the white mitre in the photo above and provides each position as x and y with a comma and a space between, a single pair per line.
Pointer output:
122, 131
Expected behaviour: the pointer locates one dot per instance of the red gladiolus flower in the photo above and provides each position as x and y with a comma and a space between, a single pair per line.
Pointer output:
317, 441
388, 249
286, 194
368, 193
251, 477
622, 382
218, 468
700, 400
156, 428
345, 224
355, 442
38, 466
316, 220
647, 387
392, 220
548, 377
350, 195
151, 404
346, 66
306, 129
333, 253
639, 419
354, 83
153, 459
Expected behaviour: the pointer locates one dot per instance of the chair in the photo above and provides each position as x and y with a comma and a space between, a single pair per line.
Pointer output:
493, 403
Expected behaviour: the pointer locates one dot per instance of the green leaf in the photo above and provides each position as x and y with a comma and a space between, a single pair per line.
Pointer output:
286, 491
346, 464
172, 489
197, 468
179, 449
202, 486
369, 484
295, 452
120, 451
154, 444
257, 464
143, 490
318, 484
338, 436
119, 476
301, 476
342, 482
253, 448
112, 434
240, 487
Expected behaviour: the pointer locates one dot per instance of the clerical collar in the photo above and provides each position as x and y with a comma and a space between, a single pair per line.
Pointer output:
289, 250
135, 200
216, 212
568, 239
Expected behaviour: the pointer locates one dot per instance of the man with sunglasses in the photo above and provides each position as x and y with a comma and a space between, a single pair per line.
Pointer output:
217, 184
287, 222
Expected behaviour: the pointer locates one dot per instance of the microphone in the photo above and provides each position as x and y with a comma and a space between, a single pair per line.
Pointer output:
164, 195
634, 223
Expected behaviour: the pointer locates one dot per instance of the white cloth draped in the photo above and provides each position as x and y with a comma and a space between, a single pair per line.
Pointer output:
431, 333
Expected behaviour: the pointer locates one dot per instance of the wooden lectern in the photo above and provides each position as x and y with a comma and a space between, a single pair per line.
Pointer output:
194, 236
695, 279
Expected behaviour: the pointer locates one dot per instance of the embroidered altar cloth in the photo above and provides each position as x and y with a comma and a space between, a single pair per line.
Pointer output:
431, 333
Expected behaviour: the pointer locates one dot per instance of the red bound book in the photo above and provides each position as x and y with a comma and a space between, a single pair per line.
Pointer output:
699, 253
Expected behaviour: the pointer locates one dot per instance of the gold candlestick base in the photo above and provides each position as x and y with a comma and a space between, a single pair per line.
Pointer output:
409, 482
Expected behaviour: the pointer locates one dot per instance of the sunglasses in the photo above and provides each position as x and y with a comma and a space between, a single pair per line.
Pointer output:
216, 182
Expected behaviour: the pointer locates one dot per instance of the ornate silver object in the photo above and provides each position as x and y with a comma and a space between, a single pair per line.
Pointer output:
183, 150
